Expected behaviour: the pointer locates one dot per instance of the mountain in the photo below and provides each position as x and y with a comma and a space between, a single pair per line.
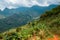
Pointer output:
38, 9
21, 16
14, 21
46, 27
2, 16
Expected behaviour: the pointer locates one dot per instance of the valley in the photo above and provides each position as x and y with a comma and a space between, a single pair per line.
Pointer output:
46, 27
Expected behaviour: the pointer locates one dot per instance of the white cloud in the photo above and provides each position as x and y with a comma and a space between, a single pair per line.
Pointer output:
26, 3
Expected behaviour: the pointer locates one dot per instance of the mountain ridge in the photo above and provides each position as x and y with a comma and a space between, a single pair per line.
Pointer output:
47, 27
8, 12
21, 18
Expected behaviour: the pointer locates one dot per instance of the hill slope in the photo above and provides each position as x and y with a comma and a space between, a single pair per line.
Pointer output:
44, 28
20, 16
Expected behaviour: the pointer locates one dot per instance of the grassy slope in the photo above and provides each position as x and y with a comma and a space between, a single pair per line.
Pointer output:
52, 20
43, 28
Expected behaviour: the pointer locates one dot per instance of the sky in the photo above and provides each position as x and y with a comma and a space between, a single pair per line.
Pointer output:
26, 3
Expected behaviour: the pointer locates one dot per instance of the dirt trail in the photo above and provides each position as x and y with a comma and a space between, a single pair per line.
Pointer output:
54, 38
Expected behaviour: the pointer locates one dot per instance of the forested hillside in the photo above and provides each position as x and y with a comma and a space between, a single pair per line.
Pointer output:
12, 18
47, 27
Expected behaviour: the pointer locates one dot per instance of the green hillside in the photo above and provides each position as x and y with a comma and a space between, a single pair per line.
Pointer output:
43, 28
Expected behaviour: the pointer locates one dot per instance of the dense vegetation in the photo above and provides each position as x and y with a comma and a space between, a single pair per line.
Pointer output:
12, 18
44, 28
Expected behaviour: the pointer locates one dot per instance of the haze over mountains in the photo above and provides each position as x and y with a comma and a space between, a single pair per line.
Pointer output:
20, 16
26, 3
46, 27
25, 10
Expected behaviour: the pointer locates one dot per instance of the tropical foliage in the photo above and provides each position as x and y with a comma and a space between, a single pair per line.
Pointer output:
47, 27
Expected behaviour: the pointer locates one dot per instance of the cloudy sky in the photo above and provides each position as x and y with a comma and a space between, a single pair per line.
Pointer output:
25, 3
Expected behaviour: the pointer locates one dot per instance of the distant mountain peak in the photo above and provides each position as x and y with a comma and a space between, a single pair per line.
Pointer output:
37, 9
